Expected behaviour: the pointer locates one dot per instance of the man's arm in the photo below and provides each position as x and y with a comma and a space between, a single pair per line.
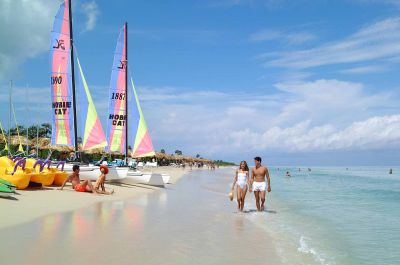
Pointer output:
268, 180
68, 179
251, 180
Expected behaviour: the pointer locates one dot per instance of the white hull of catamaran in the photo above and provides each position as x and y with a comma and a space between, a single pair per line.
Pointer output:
165, 177
93, 172
151, 179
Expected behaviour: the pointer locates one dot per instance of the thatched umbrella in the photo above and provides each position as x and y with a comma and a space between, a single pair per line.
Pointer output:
160, 155
93, 151
62, 149
16, 140
41, 143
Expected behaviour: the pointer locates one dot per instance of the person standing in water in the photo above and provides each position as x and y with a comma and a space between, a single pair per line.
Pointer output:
241, 180
258, 175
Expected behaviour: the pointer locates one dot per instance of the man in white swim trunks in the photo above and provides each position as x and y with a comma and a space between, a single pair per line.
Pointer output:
258, 175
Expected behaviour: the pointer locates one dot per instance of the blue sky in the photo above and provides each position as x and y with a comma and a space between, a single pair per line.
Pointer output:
297, 82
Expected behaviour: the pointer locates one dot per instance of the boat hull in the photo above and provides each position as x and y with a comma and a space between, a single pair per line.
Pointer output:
166, 178
60, 177
152, 179
19, 179
44, 178
92, 172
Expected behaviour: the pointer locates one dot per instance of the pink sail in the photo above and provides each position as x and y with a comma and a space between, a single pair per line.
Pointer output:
61, 94
143, 146
116, 117
92, 131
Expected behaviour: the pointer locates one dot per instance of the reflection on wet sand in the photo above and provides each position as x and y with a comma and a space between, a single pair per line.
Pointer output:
184, 225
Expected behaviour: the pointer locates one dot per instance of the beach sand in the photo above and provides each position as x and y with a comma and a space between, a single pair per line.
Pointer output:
35, 203
191, 222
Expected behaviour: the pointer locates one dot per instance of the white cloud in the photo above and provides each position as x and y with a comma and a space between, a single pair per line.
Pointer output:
31, 105
329, 100
300, 116
91, 10
377, 41
25, 28
292, 38
381, 132
370, 69
24, 32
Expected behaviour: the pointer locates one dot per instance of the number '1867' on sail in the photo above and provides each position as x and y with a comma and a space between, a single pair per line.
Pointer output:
116, 117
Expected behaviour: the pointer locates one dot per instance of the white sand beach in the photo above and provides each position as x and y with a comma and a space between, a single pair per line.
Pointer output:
35, 203
190, 222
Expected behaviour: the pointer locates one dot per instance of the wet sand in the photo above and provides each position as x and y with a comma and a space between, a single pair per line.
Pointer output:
192, 222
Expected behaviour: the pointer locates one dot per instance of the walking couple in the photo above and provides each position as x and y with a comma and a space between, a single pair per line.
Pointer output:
256, 183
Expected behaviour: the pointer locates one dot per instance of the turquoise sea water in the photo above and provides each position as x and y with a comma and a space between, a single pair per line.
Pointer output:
336, 215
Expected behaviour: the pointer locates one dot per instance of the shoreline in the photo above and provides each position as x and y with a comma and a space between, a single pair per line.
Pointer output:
30, 205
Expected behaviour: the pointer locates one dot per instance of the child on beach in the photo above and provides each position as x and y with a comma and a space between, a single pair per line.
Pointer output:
241, 179
99, 185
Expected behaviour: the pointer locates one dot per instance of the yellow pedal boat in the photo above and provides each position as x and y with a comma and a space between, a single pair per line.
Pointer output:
16, 173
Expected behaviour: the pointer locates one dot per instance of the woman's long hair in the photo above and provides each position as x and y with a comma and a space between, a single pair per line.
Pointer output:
246, 167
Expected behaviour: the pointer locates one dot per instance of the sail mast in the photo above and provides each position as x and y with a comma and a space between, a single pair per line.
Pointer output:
126, 92
73, 78
9, 114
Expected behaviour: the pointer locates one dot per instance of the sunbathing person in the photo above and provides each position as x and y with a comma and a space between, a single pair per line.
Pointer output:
77, 185
99, 185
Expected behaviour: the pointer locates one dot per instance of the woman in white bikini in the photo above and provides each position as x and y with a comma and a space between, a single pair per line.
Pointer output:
241, 180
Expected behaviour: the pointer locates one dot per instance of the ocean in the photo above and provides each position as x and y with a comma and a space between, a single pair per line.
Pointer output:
326, 216
335, 215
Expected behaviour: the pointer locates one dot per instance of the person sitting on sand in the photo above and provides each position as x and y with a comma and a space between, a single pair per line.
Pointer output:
77, 185
241, 180
99, 185
258, 175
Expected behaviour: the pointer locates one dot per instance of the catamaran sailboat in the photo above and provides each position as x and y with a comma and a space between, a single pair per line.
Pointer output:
119, 126
63, 93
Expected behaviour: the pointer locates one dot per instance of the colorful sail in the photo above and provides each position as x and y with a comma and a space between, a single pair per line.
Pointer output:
116, 122
92, 131
61, 95
143, 145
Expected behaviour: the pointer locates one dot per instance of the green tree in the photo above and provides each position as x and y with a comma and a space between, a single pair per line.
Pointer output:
197, 156
162, 151
32, 130
45, 130
13, 131
178, 152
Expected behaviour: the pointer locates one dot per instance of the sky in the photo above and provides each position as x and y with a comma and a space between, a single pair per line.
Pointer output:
295, 82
